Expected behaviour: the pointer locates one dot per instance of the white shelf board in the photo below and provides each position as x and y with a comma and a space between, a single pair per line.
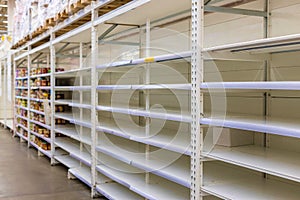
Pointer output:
47, 153
161, 58
37, 112
169, 115
235, 184
114, 191
40, 88
180, 143
41, 124
176, 171
10, 123
40, 75
38, 100
280, 163
267, 44
73, 103
21, 117
24, 108
20, 97
68, 161
83, 174
21, 136
21, 88
70, 117
277, 126
158, 189
41, 136
272, 85
22, 78
72, 88
21, 126
71, 73
145, 87
74, 150
70, 131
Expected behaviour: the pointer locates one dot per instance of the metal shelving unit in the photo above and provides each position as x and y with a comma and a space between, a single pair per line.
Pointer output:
135, 119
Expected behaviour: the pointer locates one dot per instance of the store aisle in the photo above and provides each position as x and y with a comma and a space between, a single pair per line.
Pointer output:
25, 176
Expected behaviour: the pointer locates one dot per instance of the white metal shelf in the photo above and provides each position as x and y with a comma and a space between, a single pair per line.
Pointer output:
266, 45
72, 88
38, 100
278, 162
74, 150
271, 85
22, 78
20, 97
179, 143
40, 88
231, 183
21, 88
73, 133
40, 124
70, 117
23, 127
176, 171
68, 161
114, 191
21, 136
71, 73
161, 58
158, 189
73, 103
21, 117
181, 116
45, 152
21, 107
278, 126
145, 87
41, 136
37, 112
40, 75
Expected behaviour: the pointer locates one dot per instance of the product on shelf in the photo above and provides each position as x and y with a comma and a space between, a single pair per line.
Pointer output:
59, 96
59, 108
21, 72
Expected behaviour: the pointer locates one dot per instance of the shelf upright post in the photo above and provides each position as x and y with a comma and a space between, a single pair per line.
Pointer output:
14, 101
80, 94
196, 99
147, 82
28, 94
52, 96
5, 92
94, 98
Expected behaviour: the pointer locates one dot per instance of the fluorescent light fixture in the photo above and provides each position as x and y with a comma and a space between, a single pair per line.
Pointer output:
5, 22
3, 6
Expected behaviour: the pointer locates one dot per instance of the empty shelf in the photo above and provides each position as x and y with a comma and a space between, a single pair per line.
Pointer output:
169, 115
116, 191
236, 184
68, 161
71, 73
272, 85
165, 140
280, 163
72, 88
74, 150
170, 169
145, 87
70, 117
157, 189
267, 45
73, 103
276, 126
73, 133
160, 58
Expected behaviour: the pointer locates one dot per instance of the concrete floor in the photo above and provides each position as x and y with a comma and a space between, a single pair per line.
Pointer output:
25, 176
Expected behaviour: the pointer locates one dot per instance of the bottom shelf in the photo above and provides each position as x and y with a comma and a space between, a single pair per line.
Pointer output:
47, 153
235, 183
68, 161
21, 136
117, 191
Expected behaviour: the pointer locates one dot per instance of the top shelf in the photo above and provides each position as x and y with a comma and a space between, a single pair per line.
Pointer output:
267, 45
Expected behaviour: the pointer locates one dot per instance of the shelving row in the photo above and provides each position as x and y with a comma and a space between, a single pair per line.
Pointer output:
158, 119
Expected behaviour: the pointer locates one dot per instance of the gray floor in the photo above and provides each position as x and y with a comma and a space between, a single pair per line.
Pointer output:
25, 176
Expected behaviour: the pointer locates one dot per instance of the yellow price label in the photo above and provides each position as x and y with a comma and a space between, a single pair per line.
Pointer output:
149, 59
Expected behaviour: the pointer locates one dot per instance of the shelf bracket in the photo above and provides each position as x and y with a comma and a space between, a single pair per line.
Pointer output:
109, 30
236, 11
